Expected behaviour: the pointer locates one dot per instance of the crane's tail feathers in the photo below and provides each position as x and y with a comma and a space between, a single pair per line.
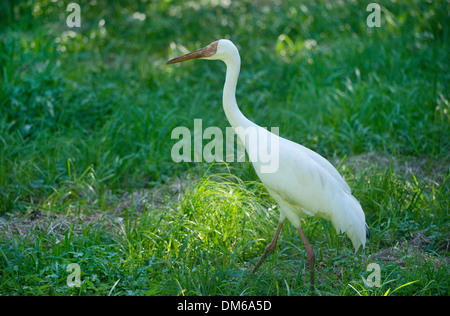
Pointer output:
348, 217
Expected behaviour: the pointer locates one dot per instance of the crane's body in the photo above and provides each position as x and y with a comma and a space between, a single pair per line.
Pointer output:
308, 185
304, 183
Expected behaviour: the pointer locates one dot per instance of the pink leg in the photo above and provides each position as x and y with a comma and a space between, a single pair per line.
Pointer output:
310, 255
270, 247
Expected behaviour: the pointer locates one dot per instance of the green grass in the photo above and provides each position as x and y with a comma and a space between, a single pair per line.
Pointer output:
86, 174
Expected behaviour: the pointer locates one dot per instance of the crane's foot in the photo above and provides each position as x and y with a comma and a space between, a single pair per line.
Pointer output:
270, 247
311, 258
310, 255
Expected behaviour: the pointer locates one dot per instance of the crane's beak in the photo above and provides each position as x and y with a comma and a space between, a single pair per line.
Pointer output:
199, 53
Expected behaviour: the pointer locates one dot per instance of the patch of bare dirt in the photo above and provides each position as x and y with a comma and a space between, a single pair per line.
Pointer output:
421, 167
411, 249
47, 223
50, 223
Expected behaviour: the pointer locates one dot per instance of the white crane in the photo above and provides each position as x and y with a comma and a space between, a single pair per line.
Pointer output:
304, 184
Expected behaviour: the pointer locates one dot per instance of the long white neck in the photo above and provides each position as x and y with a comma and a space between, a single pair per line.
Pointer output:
230, 106
257, 141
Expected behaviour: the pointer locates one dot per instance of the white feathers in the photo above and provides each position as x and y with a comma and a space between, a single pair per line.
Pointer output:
348, 217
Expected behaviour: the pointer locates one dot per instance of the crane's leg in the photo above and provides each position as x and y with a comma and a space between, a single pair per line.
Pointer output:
310, 255
270, 247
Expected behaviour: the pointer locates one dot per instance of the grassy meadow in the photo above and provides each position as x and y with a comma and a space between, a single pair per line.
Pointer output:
86, 174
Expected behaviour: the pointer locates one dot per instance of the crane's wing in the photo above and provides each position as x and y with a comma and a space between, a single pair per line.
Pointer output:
325, 164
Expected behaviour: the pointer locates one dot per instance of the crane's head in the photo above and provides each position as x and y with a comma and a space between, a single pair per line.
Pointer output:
219, 50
